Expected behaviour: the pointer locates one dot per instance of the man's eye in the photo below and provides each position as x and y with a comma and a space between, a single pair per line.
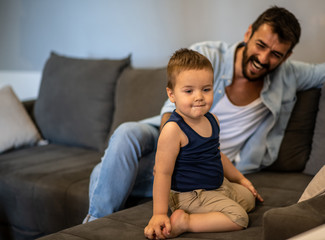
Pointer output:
260, 45
277, 55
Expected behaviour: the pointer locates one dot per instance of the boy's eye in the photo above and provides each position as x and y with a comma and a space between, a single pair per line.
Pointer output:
207, 89
188, 91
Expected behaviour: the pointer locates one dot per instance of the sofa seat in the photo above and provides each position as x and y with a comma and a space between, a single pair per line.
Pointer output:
43, 185
277, 189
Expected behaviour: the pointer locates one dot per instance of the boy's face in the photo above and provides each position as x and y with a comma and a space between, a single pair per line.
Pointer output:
192, 93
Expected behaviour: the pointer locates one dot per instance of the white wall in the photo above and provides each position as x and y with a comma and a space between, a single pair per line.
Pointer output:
149, 29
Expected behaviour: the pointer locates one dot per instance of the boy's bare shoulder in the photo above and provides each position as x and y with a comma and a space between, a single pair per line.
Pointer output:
172, 133
170, 129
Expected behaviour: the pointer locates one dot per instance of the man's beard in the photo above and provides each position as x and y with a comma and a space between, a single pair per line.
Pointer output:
253, 59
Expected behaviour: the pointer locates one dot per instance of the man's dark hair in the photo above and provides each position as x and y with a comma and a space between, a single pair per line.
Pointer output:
283, 23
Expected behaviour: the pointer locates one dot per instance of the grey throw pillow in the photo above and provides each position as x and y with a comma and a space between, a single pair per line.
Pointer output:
317, 155
140, 94
296, 144
75, 105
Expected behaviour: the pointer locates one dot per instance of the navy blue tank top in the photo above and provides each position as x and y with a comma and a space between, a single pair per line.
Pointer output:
198, 164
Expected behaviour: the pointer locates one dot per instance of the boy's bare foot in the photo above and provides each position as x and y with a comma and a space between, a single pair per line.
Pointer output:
179, 221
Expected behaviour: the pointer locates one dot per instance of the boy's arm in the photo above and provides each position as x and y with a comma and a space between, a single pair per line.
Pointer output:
167, 151
233, 175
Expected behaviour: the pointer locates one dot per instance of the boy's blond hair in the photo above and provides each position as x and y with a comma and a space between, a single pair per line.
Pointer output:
185, 59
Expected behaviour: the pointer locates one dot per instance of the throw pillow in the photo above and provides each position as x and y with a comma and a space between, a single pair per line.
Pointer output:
317, 156
140, 93
316, 187
75, 105
16, 127
296, 144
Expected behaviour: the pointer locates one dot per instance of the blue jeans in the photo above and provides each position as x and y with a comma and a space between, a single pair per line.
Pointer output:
120, 173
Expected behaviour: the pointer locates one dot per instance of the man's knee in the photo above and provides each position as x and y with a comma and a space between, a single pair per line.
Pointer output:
125, 129
134, 130
135, 137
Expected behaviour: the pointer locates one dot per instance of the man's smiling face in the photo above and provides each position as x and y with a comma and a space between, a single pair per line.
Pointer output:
263, 53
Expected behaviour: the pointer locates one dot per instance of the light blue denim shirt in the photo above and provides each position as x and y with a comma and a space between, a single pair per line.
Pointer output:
278, 95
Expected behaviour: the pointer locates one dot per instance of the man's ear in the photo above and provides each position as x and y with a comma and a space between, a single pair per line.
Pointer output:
248, 34
170, 94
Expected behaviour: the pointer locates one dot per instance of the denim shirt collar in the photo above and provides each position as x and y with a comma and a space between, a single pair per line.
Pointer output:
230, 57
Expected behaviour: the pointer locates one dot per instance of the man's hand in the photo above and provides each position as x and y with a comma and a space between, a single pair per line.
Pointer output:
158, 227
246, 183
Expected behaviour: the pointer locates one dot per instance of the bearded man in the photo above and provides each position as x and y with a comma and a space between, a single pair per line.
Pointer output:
255, 89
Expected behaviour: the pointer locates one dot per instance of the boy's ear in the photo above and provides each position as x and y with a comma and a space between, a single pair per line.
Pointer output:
170, 94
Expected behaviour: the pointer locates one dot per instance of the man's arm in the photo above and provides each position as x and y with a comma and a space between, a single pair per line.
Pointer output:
308, 75
164, 119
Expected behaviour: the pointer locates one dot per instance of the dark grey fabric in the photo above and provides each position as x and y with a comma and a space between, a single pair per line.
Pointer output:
44, 189
317, 155
76, 100
277, 189
296, 144
140, 93
283, 223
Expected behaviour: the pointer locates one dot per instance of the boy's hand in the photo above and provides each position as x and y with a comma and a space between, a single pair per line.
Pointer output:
158, 227
246, 183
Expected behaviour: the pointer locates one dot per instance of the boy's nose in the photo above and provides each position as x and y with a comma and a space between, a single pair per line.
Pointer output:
199, 97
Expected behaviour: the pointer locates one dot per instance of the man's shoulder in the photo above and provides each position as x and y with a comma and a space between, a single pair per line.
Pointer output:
217, 52
212, 46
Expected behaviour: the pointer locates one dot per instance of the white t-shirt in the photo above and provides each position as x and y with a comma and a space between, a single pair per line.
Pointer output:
237, 123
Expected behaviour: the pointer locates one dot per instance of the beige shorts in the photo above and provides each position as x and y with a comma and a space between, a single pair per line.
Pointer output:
231, 199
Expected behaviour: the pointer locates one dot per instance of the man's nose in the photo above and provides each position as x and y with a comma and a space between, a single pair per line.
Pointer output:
264, 57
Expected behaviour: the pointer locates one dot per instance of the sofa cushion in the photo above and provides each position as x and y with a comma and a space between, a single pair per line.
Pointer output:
130, 223
140, 93
281, 190
45, 189
75, 105
296, 144
16, 127
317, 159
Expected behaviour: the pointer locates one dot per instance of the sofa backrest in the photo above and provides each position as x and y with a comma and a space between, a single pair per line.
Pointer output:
296, 144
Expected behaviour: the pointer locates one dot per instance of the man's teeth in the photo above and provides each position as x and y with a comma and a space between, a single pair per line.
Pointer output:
257, 65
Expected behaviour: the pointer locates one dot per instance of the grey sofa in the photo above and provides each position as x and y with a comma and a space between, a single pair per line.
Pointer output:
44, 188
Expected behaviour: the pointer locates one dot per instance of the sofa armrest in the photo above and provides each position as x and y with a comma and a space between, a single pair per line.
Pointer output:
286, 222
